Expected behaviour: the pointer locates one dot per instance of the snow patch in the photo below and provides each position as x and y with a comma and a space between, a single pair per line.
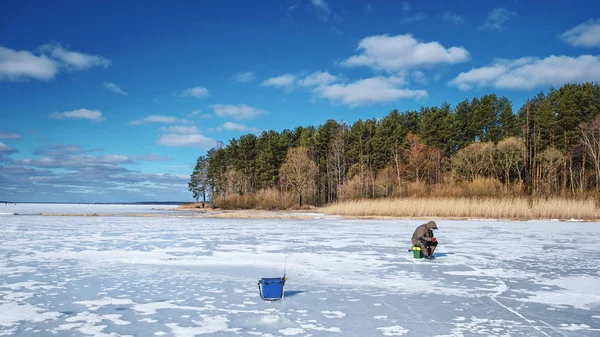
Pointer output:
208, 325
97, 304
395, 330
10, 296
31, 285
333, 314
292, 331
12, 313
153, 307
581, 292
574, 327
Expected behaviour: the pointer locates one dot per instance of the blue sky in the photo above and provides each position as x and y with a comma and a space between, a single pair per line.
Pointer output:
114, 101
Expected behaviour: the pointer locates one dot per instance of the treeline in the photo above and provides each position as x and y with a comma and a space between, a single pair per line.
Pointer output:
550, 146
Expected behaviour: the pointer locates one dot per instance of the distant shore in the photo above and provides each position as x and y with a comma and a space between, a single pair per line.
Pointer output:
507, 209
513, 209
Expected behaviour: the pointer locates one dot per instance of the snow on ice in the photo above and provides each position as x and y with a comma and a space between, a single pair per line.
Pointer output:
172, 275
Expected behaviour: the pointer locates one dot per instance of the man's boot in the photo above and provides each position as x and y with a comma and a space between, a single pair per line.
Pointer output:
425, 251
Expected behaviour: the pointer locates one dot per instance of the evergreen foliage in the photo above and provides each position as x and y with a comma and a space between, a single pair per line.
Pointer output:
540, 148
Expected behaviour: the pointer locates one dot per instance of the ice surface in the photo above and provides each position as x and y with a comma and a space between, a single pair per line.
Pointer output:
122, 275
101, 209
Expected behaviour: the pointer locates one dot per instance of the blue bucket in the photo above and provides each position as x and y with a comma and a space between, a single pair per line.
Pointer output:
271, 289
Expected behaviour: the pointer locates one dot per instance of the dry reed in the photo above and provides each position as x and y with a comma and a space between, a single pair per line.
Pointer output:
266, 199
194, 205
258, 215
517, 208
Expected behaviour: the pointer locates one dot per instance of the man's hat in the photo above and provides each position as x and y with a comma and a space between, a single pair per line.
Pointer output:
432, 225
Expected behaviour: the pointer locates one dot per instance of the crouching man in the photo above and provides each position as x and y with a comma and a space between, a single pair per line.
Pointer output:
423, 237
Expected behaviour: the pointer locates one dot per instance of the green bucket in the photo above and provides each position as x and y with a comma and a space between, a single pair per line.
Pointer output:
417, 254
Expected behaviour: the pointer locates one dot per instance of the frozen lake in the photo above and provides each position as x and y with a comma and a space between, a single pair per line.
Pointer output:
118, 275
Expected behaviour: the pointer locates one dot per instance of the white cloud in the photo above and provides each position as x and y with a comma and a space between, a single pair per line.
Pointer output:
23, 64
368, 91
362, 92
230, 126
283, 81
8, 135
111, 158
322, 9
531, 72
73, 59
18, 65
239, 111
586, 34
393, 53
114, 88
193, 140
6, 149
92, 115
244, 77
70, 160
180, 129
161, 119
453, 18
413, 18
316, 79
497, 18
80, 173
406, 7
77, 161
184, 136
198, 92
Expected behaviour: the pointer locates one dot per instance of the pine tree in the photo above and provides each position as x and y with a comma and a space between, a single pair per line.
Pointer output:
198, 184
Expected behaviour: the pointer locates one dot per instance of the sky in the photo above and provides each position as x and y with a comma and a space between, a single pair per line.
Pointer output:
114, 102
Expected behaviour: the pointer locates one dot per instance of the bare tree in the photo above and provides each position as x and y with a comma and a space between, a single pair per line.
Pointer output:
299, 171
386, 182
233, 182
590, 139
475, 160
549, 161
336, 162
510, 152
418, 157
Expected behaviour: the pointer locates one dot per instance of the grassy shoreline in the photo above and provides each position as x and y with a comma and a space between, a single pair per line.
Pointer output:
514, 208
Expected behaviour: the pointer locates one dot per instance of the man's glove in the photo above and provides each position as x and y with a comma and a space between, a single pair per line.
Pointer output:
433, 240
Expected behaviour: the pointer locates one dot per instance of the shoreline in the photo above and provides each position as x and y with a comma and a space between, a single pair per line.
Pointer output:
489, 208
408, 210
313, 214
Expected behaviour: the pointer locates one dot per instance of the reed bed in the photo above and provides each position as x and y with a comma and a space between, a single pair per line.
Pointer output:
194, 205
465, 208
267, 199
